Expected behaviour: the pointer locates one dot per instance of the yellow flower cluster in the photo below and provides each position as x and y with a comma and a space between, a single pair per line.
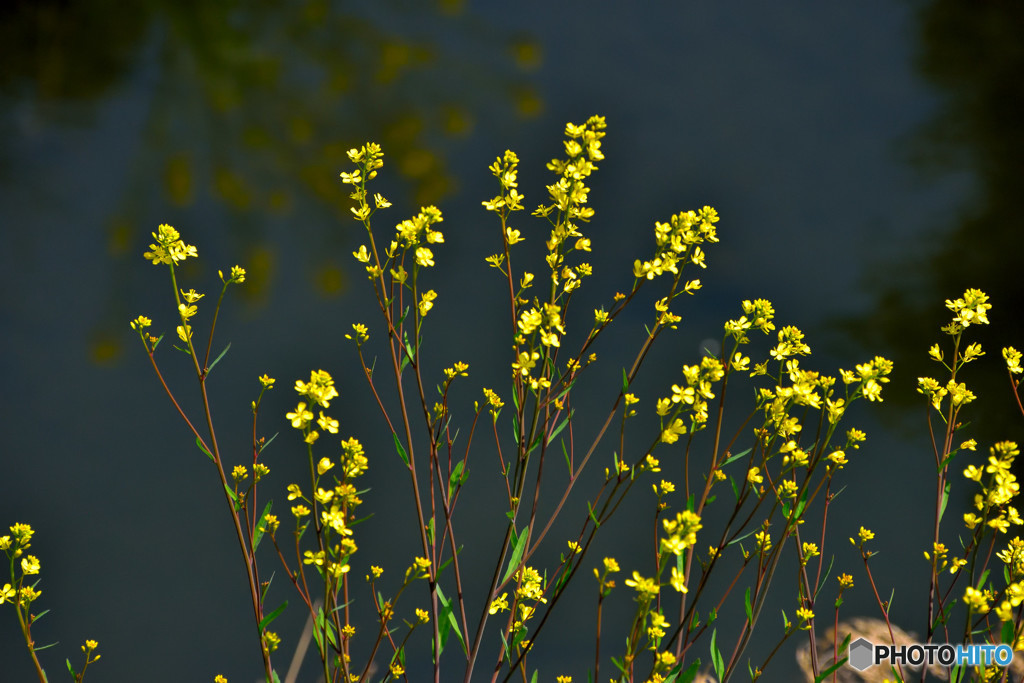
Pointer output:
531, 585
169, 247
998, 490
682, 532
972, 308
700, 380
676, 243
761, 313
568, 197
647, 589
15, 545
569, 194
336, 504
977, 601
320, 388
1012, 357
1013, 557
548, 320
791, 343
499, 604
369, 158
505, 169
494, 401
416, 231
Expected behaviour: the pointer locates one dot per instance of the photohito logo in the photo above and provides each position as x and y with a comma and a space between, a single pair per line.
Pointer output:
863, 654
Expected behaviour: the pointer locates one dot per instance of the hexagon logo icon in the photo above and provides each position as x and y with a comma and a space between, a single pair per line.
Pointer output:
860, 654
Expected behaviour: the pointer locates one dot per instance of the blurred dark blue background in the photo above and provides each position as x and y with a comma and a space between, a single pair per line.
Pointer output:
865, 161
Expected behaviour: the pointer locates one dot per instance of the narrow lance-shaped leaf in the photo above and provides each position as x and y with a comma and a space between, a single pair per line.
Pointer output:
261, 527
733, 458
268, 442
446, 621
518, 548
945, 498
233, 497
199, 443
690, 673
716, 657
217, 359
561, 426
401, 451
265, 621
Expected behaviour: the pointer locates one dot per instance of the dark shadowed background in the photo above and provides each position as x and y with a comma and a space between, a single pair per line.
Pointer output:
865, 160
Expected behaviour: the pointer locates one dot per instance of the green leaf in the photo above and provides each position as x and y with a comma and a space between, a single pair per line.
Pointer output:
458, 477
446, 621
410, 352
716, 657
504, 646
945, 461
232, 496
533, 678
690, 673
828, 672
561, 426
265, 621
748, 608
199, 442
1007, 633
536, 443
945, 498
801, 504
740, 538
70, 668
257, 535
217, 359
401, 451
733, 458
268, 441
825, 576
444, 565
625, 381
518, 548
320, 626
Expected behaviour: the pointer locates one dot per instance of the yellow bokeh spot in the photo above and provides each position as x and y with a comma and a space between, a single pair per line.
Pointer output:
329, 280
528, 103
178, 179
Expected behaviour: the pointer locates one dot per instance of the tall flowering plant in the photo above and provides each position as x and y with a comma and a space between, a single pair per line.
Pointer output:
731, 503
